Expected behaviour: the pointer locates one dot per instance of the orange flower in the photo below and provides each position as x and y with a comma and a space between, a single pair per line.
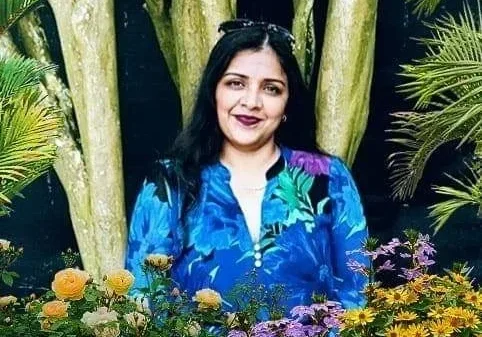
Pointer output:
69, 284
54, 309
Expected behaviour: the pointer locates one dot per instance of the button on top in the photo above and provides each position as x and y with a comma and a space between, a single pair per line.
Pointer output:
257, 247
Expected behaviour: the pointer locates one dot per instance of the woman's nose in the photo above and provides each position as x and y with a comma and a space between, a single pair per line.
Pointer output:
251, 99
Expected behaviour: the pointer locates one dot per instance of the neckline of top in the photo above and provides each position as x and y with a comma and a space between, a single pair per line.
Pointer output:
273, 171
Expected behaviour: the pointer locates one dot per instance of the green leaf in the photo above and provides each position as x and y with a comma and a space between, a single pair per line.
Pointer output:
7, 278
12, 10
424, 7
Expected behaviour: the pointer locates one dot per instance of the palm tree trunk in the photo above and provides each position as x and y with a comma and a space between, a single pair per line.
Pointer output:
344, 79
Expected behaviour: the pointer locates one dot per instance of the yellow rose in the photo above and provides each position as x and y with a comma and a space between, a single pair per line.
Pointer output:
4, 244
207, 299
159, 261
6, 300
55, 309
119, 281
69, 284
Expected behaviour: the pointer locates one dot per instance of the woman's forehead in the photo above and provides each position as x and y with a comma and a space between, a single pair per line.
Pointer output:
256, 63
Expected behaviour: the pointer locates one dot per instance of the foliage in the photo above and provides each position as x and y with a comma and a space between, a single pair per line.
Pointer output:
12, 10
424, 304
76, 306
424, 7
449, 81
468, 192
27, 127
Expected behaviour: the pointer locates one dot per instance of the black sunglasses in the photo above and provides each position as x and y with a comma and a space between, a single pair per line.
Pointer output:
237, 24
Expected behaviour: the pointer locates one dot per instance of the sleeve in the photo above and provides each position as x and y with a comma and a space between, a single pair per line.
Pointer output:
154, 226
348, 233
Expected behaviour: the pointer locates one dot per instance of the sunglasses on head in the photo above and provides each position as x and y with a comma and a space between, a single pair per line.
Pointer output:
238, 24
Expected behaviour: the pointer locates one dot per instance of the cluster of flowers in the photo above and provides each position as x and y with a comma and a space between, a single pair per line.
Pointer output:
314, 320
423, 305
77, 306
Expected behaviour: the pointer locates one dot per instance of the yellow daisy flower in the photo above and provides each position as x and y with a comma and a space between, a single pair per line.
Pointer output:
406, 316
440, 328
397, 296
416, 330
412, 297
395, 331
471, 319
459, 278
437, 312
360, 316
473, 298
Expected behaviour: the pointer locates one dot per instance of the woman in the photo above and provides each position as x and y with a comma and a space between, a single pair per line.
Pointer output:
245, 187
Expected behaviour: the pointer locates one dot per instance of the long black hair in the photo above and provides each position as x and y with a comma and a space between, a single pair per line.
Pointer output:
200, 143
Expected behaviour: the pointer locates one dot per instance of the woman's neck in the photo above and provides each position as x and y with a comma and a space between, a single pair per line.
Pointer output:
247, 163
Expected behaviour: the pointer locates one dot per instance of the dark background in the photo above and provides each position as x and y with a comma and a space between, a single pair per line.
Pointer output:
150, 116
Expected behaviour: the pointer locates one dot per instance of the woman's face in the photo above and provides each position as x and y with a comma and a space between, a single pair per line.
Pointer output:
251, 97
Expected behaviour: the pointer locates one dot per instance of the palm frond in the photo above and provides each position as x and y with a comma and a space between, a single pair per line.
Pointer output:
467, 192
12, 10
424, 7
27, 127
451, 73
420, 134
448, 79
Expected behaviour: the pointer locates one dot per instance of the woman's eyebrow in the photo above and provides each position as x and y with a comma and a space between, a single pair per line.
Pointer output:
265, 80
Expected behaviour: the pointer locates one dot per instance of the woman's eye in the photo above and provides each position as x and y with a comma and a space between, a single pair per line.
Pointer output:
235, 84
272, 89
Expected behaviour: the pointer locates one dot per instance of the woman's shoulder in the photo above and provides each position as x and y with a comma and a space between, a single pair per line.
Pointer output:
163, 175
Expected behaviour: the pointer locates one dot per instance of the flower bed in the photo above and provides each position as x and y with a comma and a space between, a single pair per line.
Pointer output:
422, 305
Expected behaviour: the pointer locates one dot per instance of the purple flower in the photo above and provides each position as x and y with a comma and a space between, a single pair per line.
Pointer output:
331, 322
262, 329
237, 333
300, 311
425, 248
405, 255
410, 274
390, 247
423, 260
387, 265
313, 164
357, 267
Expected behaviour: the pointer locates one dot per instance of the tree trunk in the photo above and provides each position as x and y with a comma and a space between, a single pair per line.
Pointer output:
69, 165
186, 32
344, 80
304, 33
96, 192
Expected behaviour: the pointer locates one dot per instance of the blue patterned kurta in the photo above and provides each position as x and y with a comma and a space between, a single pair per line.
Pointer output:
311, 216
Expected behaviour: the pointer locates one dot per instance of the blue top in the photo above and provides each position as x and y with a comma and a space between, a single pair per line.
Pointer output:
311, 216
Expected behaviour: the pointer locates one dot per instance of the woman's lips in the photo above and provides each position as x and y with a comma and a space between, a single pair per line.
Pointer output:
247, 120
